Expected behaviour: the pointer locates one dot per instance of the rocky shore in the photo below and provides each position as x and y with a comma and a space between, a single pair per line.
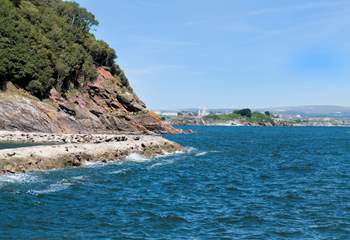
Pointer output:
74, 150
47, 138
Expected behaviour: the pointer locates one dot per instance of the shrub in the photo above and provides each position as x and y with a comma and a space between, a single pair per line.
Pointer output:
246, 112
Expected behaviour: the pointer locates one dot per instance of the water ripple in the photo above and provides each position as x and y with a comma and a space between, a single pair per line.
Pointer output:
230, 183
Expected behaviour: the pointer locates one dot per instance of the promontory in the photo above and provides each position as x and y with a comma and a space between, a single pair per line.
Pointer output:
62, 87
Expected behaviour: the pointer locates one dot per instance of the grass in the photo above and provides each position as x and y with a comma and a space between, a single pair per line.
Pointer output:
222, 117
256, 117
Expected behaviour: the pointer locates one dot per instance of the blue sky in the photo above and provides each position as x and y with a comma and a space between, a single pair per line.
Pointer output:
225, 53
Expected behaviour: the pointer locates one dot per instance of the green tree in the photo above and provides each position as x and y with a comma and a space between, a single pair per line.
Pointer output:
48, 43
246, 112
101, 53
17, 3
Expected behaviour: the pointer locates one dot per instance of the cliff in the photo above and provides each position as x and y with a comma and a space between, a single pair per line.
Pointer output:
100, 106
55, 76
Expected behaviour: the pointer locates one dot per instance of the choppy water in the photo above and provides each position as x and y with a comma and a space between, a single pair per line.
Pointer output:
234, 183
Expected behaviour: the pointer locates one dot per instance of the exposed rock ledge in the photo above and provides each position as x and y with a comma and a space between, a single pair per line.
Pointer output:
101, 148
105, 105
34, 137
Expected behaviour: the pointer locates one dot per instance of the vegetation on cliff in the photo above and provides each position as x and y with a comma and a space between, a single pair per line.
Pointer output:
49, 43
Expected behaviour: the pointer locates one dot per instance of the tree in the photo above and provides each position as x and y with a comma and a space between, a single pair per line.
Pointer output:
77, 16
17, 3
101, 53
246, 112
48, 43
62, 71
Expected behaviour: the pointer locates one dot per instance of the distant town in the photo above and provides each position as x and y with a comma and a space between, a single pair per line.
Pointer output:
288, 116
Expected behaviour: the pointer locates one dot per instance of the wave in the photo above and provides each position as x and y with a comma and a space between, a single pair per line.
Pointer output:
79, 178
19, 178
190, 149
56, 187
161, 164
136, 157
121, 171
169, 154
93, 164
201, 154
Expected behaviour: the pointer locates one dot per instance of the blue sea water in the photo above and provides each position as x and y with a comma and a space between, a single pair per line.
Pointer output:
232, 183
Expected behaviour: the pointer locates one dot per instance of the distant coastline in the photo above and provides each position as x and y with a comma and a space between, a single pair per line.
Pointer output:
247, 117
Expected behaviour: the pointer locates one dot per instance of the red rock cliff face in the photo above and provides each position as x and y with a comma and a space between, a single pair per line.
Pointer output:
105, 105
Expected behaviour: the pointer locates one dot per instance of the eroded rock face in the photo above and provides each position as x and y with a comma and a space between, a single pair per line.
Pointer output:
105, 105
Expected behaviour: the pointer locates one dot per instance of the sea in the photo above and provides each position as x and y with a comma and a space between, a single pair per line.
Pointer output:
229, 183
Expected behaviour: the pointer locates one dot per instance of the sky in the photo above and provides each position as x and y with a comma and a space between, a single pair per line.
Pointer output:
230, 53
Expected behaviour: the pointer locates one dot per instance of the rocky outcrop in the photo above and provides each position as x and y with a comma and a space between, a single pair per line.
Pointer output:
105, 105
49, 138
115, 148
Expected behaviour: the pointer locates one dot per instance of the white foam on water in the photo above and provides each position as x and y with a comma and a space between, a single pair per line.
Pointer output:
121, 171
136, 157
161, 164
101, 164
89, 163
52, 188
201, 154
190, 149
20, 178
169, 154
78, 178
92, 164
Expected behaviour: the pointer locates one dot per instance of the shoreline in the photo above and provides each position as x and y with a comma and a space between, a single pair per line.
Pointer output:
57, 138
76, 150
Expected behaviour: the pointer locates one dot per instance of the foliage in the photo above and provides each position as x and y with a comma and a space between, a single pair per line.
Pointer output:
101, 53
259, 117
17, 3
48, 43
222, 117
242, 115
246, 112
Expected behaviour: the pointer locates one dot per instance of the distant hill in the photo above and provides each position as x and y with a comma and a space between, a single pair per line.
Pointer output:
313, 111
339, 112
